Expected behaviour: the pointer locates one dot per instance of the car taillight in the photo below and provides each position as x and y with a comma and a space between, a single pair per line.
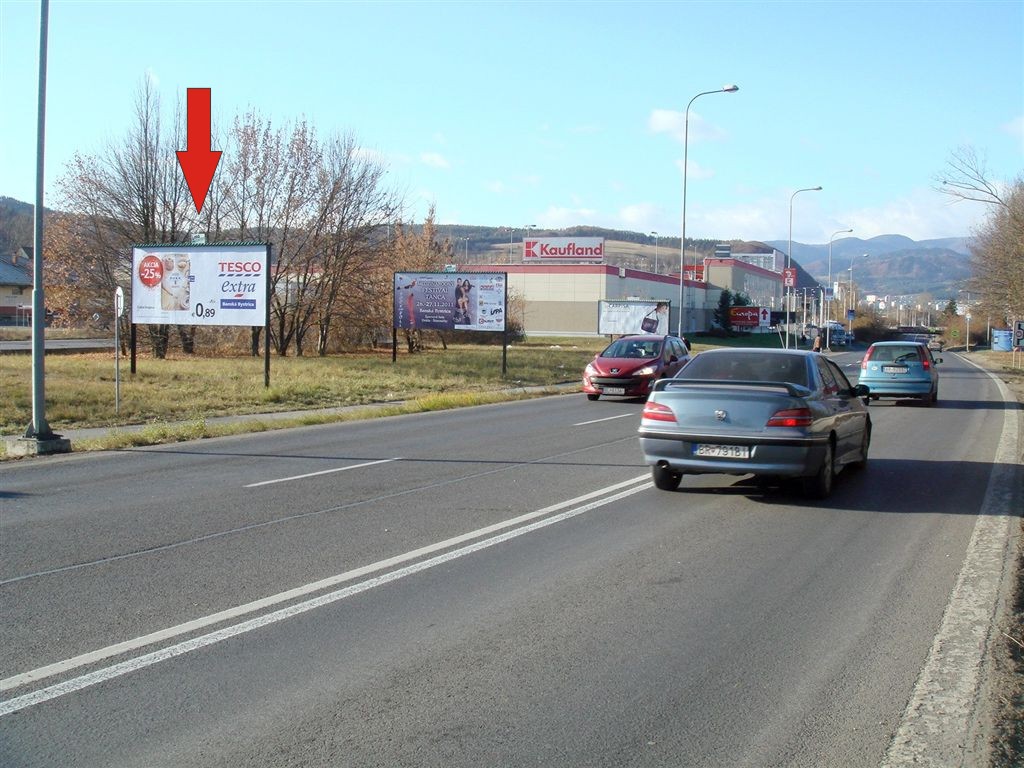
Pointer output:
864, 361
658, 412
791, 417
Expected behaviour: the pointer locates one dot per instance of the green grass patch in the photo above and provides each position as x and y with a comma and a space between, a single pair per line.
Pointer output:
80, 387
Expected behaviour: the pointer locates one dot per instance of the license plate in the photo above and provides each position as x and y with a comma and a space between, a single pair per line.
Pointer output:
614, 390
894, 369
722, 451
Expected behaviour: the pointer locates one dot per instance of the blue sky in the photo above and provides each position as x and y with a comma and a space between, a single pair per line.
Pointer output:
567, 113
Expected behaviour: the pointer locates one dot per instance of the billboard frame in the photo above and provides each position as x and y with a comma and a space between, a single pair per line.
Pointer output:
197, 248
438, 322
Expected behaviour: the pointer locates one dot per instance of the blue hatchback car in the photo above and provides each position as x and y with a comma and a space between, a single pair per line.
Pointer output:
901, 369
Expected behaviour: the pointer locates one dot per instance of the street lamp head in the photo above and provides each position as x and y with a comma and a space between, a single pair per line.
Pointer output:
730, 88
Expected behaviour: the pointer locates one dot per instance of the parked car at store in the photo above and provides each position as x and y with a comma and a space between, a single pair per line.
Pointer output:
629, 366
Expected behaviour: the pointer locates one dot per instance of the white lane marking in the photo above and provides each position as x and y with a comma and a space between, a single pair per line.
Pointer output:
936, 725
267, 602
147, 660
609, 418
321, 472
297, 516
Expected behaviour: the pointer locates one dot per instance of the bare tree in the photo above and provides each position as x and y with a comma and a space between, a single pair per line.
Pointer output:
967, 178
997, 250
353, 212
415, 252
271, 191
997, 257
130, 193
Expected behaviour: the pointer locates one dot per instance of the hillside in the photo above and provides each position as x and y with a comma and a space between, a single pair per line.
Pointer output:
895, 265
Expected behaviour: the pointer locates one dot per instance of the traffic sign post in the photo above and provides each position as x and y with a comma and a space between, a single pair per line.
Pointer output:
118, 311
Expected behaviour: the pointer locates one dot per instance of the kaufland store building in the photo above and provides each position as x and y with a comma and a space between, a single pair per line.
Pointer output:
561, 281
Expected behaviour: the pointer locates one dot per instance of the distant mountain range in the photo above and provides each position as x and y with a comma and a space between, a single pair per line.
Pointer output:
896, 265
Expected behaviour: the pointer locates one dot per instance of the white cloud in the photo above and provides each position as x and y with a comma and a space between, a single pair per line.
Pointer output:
496, 187
434, 160
695, 171
556, 217
674, 123
924, 215
639, 216
1015, 128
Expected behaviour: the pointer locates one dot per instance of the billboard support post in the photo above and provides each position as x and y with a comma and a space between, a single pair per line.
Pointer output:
504, 339
266, 327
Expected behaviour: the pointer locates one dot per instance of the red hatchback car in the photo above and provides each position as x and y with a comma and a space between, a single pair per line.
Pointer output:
629, 366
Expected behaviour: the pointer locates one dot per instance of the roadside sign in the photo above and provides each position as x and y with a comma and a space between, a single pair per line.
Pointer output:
1018, 333
119, 301
744, 317
851, 314
789, 277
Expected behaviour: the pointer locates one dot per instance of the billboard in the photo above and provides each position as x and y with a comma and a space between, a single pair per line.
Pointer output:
200, 284
749, 317
450, 301
563, 249
617, 318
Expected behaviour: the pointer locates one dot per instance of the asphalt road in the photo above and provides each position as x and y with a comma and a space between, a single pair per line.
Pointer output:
498, 585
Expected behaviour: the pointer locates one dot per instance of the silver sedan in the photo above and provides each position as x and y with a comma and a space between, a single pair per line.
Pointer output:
770, 413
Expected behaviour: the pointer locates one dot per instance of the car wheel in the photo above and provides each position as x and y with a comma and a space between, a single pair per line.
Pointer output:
666, 479
592, 397
935, 398
865, 444
819, 485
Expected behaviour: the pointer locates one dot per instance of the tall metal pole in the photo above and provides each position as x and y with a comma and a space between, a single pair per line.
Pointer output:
682, 239
39, 429
829, 286
789, 255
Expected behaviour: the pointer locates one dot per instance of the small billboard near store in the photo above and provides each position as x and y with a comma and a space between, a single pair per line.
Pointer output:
618, 318
749, 317
450, 301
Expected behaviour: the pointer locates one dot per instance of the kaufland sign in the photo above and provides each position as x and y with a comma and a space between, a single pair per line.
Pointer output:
564, 249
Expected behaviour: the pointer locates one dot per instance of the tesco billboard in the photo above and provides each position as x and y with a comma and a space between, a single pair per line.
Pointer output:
563, 249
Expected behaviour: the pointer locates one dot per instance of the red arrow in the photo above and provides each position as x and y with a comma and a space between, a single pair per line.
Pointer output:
198, 163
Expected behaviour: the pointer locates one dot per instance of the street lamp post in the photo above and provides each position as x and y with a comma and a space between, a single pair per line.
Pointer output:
527, 229
853, 302
655, 236
967, 318
511, 231
686, 147
789, 255
829, 286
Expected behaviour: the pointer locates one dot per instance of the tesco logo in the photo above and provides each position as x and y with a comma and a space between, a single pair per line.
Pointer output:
240, 268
